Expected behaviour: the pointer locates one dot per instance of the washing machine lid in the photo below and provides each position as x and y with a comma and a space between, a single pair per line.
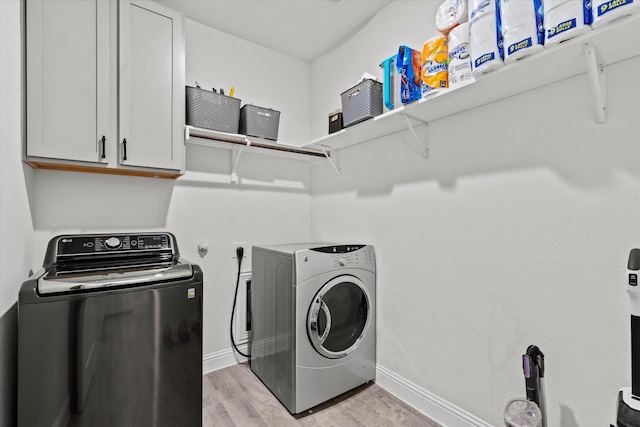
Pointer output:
55, 283
339, 317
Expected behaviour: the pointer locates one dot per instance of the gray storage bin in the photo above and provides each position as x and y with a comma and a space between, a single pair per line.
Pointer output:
210, 110
361, 102
259, 122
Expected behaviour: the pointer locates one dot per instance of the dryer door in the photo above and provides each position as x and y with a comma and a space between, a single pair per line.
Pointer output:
338, 316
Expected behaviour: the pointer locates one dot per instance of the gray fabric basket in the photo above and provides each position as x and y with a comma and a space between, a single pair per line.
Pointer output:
259, 122
361, 102
210, 110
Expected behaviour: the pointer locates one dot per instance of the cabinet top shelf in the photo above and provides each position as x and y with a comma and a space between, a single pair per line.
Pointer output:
614, 42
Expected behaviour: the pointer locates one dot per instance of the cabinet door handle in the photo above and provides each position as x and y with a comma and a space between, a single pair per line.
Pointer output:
124, 146
104, 139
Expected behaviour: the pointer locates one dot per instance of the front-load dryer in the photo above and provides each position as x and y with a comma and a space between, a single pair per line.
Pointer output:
313, 320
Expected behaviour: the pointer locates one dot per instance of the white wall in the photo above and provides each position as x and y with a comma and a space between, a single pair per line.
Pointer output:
15, 220
515, 232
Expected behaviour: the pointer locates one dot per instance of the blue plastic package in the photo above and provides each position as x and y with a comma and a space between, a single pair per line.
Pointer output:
409, 65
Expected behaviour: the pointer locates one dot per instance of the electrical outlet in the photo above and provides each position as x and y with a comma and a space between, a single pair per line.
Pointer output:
246, 258
237, 245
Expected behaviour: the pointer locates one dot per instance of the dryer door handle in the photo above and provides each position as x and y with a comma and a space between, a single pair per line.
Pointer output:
327, 327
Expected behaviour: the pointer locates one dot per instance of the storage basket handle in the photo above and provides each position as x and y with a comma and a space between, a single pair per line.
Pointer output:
354, 93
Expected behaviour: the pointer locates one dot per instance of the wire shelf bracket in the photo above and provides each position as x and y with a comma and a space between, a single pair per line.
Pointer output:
423, 146
597, 71
236, 152
333, 158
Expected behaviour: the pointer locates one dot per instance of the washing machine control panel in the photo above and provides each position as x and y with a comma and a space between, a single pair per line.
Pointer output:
93, 244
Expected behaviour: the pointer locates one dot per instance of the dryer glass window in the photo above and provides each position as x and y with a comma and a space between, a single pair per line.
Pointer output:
338, 317
348, 307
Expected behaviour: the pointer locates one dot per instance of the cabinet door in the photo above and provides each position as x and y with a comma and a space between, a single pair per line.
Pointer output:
67, 79
151, 86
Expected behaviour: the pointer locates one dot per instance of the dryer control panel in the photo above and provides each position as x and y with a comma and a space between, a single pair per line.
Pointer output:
339, 249
346, 255
333, 259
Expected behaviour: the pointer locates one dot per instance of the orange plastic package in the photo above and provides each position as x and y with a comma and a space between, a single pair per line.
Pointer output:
435, 59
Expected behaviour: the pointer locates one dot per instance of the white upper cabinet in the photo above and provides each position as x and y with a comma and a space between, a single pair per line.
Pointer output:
151, 96
67, 79
99, 73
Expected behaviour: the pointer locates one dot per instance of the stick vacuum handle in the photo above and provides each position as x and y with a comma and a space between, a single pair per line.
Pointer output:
633, 269
634, 260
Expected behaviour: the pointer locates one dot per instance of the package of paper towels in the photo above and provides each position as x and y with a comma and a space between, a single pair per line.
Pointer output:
564, 19
450, 14
609, 10
485, 36
522, 28
435, 59
459, 57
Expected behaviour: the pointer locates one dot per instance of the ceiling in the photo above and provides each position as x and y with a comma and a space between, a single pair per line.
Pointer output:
303, 29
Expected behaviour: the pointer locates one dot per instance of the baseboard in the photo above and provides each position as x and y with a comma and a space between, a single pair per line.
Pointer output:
446, 413
223, 358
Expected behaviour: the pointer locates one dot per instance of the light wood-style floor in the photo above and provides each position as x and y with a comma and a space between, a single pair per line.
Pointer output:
234, 396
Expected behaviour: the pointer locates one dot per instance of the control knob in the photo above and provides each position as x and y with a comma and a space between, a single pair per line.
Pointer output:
342, 262
112, 243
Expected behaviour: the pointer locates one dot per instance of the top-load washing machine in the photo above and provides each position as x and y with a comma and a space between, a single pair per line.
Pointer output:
313, 320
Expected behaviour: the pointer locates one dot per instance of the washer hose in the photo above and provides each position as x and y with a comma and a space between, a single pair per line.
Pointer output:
239, 255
